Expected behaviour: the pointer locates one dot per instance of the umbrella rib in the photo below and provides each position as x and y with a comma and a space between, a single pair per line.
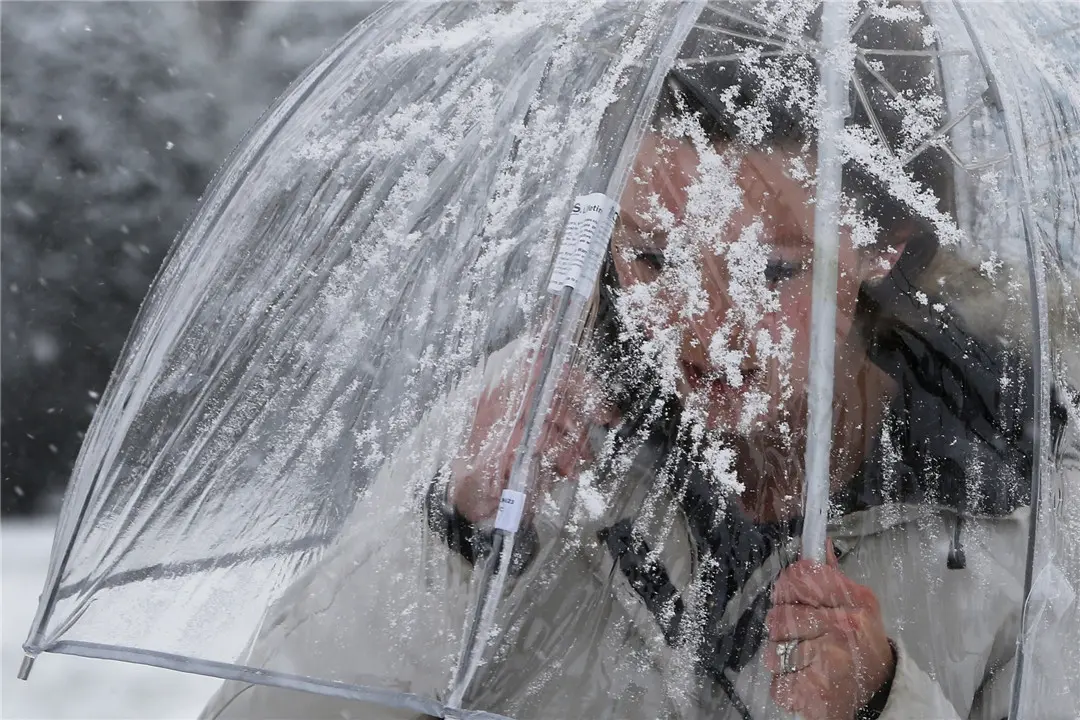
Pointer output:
1034, 149
616, 56
861, 92
742, 36
173, 570
857, 25
957, 161
982, 165
914, 53
731, 15
877, 76
943, 130
691, 62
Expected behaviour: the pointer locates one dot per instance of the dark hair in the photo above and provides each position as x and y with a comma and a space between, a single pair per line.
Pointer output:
712, 80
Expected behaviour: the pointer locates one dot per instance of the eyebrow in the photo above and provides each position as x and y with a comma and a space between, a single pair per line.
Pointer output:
797, 241
629, 217
794, 241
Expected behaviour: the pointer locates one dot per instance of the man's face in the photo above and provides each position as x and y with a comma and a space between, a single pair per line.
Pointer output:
713, 251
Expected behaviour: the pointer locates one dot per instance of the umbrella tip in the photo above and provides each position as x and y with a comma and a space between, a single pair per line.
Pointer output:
26, 667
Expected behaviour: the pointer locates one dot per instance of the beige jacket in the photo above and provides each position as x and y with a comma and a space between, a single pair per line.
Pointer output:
384, 608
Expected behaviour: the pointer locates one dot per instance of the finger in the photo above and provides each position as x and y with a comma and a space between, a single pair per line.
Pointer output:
475, 499
810, 693
801, 693
582, 402
830, 554
802, 622
568, 462
481, 473
509, 451
808, 583
801, 657
565, 447
841, 626
495, 423
797, 693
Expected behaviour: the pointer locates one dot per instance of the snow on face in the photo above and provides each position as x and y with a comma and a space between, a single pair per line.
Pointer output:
713, 251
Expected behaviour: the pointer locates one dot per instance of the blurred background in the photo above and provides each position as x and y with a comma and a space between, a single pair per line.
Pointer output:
114, 117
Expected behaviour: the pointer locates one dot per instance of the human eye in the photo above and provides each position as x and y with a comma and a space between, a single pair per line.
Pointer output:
650, 259
778, 270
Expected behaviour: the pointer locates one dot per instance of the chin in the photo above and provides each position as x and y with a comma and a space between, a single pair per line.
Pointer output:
773, 509
747, 419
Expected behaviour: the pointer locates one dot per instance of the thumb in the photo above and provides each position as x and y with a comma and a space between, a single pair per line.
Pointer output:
830, 554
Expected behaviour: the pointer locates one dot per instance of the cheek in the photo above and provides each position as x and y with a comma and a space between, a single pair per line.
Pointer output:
797, 304
847, 297
794, 316
622, 268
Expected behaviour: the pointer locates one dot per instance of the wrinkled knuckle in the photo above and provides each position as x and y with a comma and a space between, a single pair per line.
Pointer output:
836, 654
772, 664
782, 692
859, 625
772, 622
849, 623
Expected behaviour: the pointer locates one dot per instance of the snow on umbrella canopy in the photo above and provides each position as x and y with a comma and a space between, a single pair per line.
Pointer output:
567, 249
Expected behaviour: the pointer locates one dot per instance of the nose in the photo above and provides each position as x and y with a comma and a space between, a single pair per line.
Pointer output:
716, 322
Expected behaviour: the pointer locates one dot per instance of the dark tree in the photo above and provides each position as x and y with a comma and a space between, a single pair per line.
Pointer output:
113, 118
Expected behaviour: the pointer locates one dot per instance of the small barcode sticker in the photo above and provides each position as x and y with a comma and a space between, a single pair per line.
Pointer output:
585, 241
511, 507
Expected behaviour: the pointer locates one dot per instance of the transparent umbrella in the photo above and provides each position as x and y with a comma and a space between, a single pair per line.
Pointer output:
613, 360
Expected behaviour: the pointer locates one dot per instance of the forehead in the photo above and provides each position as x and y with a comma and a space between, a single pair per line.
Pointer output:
684, 181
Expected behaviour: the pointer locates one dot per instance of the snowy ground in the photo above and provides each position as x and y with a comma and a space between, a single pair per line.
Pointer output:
72, 687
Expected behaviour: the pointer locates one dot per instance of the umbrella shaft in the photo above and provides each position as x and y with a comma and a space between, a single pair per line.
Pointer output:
834, 79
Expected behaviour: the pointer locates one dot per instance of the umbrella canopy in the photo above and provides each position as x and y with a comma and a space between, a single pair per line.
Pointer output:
521, 350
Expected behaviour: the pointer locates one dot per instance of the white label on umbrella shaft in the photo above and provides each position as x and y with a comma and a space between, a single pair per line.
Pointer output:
511, 507
584, 243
